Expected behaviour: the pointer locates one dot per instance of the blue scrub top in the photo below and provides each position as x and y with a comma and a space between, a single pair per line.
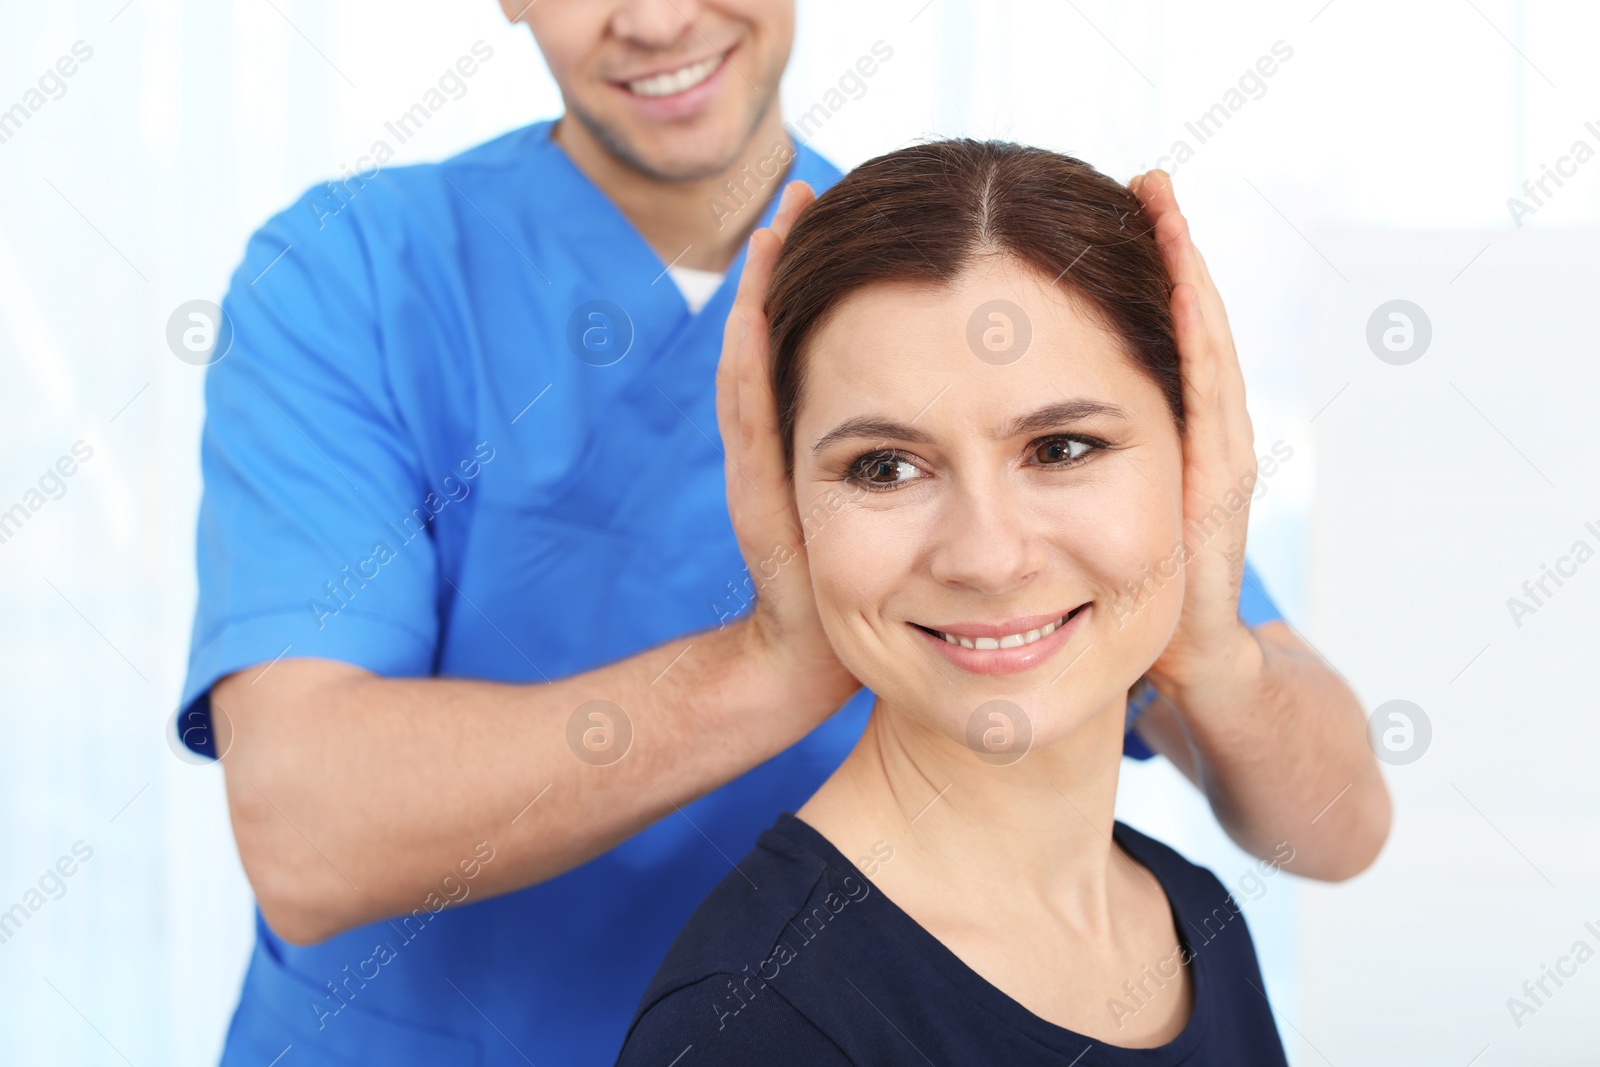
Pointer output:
466, 427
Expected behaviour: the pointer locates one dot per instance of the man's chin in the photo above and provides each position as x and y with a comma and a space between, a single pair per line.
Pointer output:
676, 165
687, 152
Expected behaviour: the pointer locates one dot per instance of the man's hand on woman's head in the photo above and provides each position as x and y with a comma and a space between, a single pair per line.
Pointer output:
1219, 462
1235, 700
785, 631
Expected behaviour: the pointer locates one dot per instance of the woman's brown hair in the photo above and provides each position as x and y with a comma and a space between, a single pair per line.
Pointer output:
925, 213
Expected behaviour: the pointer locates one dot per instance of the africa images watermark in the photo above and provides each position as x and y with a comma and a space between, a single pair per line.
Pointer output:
51, 85
734, 602
1536, 993
751, 185
1566, 567
453, 888
334, 196
1141, 991
1537, 190
51, 485
52, 885
788, 948
1136, 594
599, 732
339, 592
1211, 121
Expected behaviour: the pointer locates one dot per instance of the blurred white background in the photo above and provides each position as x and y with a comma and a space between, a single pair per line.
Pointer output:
1374, 164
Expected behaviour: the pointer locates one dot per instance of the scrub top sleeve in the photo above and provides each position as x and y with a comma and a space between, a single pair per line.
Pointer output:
313, 536
1256, 606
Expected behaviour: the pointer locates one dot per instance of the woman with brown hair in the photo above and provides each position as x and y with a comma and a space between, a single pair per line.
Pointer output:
982, 377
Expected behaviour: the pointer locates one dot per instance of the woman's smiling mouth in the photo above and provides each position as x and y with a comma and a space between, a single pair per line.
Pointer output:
1004, 648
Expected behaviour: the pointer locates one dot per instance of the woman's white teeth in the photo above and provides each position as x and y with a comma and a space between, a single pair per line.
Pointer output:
676, 81
986, 644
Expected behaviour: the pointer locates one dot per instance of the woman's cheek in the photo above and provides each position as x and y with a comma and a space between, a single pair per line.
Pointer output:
1150, 598
865, 578
841, 558
1129, 547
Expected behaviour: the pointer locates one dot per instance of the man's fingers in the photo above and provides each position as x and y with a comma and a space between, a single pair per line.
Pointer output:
1195, 354
1154, 189
729, 417
1212, 297
762, 455
1178, 251
761, 452
761, 256
749, 415
1182, 255
1187, 266
746, 411
1172, 232
797, 196
1206, 434
1230, 373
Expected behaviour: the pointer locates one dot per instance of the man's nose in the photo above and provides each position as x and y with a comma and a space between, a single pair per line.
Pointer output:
655, 23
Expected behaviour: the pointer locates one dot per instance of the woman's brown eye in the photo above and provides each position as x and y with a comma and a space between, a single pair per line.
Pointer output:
890, 470
1061, 450
885, 470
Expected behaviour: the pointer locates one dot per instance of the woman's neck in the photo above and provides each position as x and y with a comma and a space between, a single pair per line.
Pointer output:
1013, 868
956, 824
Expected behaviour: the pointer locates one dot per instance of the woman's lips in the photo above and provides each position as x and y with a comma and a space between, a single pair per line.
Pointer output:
992, 661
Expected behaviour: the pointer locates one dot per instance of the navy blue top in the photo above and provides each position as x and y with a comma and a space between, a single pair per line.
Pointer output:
797, 958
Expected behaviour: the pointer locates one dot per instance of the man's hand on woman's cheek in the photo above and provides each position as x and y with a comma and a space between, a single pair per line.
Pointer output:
1219, 463
1256, 719
785, 632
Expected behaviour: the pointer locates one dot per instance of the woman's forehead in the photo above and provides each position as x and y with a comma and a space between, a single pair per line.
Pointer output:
1000, 335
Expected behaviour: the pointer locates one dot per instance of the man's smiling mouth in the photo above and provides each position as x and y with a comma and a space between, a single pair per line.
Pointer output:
672, 82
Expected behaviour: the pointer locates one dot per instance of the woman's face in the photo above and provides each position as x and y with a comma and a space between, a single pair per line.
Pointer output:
949, 484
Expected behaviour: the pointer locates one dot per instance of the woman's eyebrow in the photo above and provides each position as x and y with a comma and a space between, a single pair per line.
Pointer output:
1053, 415
1048, 417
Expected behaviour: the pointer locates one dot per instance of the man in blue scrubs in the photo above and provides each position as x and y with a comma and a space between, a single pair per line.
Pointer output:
474, 633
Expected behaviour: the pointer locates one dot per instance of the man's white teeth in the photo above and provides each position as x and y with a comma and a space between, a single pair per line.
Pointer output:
987, 644
676, 81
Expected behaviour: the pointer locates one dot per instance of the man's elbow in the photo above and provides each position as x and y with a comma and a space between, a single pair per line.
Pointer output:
291, 882
1362, 838
1375, 829
275, 788
296, 923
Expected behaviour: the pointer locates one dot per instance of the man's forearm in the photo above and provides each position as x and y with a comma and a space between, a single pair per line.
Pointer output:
352, 794
1277, 742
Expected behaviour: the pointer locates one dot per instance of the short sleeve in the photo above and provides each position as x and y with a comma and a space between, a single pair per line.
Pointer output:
726, 1025
1256, 608
310, 539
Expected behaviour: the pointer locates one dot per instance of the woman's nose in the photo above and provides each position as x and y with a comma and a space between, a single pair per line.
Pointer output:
987, 540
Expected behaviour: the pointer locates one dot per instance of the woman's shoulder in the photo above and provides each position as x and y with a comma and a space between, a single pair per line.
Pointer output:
723, 1021
744, 916
1216, 938
719, 986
